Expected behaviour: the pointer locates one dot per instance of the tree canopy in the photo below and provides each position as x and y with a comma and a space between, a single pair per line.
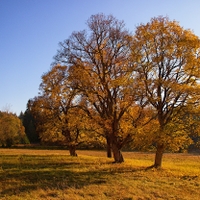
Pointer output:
99, 65
127, 88
167, 65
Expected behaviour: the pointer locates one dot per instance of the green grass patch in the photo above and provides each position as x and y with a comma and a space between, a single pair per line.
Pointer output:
53, 174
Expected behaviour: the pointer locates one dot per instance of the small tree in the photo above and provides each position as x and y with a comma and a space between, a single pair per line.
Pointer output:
56, 110
11, 130
190, 117
28, 122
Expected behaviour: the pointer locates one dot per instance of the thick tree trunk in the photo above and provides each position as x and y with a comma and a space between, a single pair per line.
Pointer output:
109, 149
118, 157
72, 150
159, 156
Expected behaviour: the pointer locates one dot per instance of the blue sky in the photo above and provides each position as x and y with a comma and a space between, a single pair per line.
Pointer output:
30, 31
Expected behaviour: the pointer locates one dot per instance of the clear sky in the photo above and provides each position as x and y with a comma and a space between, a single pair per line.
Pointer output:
30, 31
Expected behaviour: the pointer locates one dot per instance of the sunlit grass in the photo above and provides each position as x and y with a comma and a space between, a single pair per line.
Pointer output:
42, 174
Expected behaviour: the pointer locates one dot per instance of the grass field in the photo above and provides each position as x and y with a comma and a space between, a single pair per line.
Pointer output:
53, 174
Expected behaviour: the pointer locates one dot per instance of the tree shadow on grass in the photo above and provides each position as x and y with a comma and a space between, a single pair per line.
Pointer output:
28, 180
17, 178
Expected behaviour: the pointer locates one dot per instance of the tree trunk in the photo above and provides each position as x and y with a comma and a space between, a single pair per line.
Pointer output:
109, 149
9, 143
159, 156
72, 150
118, 158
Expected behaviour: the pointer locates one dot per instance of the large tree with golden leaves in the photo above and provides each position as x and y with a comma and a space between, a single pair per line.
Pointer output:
99, 67
166, 58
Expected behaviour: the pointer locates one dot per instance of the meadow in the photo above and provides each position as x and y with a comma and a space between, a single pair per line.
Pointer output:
52, 174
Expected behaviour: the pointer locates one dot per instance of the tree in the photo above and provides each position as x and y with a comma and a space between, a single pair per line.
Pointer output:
99, 65
191, 120
59, 119
166, 59
28, 122
12, 130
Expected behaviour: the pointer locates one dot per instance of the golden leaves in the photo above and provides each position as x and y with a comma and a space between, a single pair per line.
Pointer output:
12, 130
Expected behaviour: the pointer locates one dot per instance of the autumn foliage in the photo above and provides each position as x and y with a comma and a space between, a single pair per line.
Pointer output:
11, 130
121, 89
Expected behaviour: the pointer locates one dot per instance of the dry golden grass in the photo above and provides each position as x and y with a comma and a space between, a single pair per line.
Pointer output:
52, 174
